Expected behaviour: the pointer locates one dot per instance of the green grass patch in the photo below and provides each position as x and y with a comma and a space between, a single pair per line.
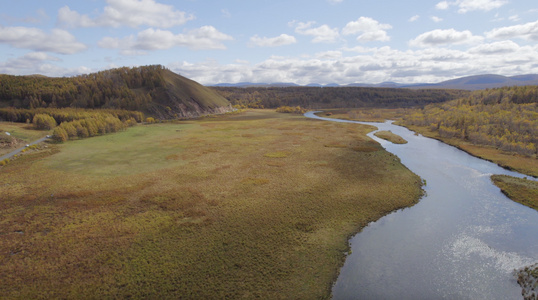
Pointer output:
25, 132
139, 149
199, 213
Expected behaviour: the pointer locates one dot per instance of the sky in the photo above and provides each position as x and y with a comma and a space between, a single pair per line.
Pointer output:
268, 41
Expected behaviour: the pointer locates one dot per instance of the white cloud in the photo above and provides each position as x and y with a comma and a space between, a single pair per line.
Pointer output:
57, 41
528, 31
28, 61
442, 5
38, 63
414, 18
280, 40
436, 19
471, 5
206, 37
372, 65
440, 37
369, 29
484, 5
321, 34
132, 13
503, 47
334, 54
514, 18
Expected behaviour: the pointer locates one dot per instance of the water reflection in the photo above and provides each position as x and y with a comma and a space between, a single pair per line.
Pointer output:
461, 241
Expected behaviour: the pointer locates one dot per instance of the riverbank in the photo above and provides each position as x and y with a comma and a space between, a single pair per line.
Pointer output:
257, 204
523, 191
513, 162
519, 163
519, 190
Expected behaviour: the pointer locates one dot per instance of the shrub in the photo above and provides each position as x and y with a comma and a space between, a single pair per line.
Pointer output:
44, 122
292, 110
60, 135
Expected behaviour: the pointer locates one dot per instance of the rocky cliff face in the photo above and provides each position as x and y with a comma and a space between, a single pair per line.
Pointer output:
182, 110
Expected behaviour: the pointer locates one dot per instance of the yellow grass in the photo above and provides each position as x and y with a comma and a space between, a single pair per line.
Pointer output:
521, 190
226, 207
391, 137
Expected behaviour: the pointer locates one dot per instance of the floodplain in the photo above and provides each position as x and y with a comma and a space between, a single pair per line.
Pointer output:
253, 204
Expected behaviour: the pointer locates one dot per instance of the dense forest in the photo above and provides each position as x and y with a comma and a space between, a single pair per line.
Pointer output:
334, 97
153, 90
505, 118
116, 88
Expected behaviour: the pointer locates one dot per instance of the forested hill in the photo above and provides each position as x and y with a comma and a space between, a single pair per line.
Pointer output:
505, 118
335, 97
153, 90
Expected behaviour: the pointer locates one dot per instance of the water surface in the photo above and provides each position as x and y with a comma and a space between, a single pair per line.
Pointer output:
461, 241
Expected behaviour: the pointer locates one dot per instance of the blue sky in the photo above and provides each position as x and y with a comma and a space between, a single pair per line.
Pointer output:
314, 41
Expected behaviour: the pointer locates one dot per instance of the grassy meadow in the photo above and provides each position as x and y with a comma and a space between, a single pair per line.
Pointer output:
250, 205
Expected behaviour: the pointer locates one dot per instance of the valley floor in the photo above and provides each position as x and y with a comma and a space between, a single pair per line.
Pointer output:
257, 205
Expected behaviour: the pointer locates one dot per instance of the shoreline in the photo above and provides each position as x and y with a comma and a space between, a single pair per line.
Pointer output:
527, 277
459, 147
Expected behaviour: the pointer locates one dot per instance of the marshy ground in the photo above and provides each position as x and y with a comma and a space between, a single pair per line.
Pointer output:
257, 204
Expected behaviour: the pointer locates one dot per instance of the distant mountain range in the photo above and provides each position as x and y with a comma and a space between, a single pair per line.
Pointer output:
476, 82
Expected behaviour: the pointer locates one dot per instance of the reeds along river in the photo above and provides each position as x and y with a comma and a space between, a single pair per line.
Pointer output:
463, 240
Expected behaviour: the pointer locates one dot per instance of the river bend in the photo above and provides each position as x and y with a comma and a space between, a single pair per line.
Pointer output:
461, 241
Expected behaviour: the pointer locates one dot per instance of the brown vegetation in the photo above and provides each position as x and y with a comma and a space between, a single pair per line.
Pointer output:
150, 89
291, 110
391, 137
333, 97
527, 278
500, 125
229, 216
521, 190
505, 118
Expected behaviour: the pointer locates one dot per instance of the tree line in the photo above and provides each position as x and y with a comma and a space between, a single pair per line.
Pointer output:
22, 115
74, 123
334, 97
505, 118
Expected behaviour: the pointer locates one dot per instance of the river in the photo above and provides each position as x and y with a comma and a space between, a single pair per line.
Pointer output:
461, 241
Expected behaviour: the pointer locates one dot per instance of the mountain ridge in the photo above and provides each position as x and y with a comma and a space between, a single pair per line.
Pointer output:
473, 82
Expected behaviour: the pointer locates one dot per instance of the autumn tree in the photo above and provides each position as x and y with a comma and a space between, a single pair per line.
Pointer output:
44, 122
